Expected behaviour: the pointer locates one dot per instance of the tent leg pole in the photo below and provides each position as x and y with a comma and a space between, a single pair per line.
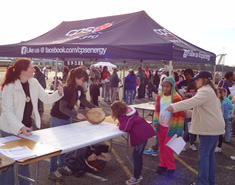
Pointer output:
56, 70
170, 68
214, 73
123, 80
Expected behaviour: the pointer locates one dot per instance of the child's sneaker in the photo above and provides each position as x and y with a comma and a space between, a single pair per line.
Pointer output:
154, 153
232, 157
148, 152
55, 176
65, 171
193, 147
133, 180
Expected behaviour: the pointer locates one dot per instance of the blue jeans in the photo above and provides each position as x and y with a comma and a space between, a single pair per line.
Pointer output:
227, 135
137, 156
107, 92
7, 177
58, 161
129, 94
206, 162
233, 126
187, 136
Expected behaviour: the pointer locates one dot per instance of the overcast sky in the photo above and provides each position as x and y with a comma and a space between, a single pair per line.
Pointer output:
209, 24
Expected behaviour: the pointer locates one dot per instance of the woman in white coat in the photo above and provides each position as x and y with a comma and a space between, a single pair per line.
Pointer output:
207, 122
20, 94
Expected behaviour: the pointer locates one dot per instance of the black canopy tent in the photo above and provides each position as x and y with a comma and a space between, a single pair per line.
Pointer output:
134, 36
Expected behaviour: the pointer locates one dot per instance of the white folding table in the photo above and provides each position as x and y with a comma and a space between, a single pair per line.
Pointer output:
150, 106
76, 135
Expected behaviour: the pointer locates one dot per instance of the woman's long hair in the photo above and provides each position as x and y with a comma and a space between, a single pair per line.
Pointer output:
221, 92
13, 72
80, 73
209, 82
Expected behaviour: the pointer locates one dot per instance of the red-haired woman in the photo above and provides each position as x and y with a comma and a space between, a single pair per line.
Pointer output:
20, 94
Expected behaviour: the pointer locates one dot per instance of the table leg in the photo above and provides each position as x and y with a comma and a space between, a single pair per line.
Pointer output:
36, 172
16, 170
127, 150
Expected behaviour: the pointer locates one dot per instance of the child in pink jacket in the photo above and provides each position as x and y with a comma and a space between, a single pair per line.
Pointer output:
140, 131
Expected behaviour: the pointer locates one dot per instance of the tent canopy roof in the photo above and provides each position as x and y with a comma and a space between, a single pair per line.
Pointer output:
128, 36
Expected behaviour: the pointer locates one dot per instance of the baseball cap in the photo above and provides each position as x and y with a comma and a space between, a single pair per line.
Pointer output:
131, 70
203, 74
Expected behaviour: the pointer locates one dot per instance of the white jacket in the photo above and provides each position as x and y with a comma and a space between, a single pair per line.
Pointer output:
207, 117
13, 104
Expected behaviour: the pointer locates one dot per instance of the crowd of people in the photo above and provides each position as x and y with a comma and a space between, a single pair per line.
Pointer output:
188, 103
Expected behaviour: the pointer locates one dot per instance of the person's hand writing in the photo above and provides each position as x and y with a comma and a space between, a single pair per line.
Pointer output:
169, 108
26, 131
60, 89
80, 116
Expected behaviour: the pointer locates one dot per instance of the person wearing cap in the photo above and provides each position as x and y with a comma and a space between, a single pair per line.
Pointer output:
207, 122
113, 83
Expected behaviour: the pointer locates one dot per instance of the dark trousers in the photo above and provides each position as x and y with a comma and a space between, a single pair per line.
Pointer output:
95, 100
40, 106
141, 91
138, 158
220, 141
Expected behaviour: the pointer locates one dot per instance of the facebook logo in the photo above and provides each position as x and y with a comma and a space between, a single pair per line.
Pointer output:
23, 50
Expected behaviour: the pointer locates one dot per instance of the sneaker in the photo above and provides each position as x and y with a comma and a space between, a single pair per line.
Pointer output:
154, 153
133, 180
65, 171
218, 149
232, 157
193, 147
193, 183
161, 170
55, 176
148, 152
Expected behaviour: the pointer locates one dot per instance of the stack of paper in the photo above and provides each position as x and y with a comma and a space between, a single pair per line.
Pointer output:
17, 152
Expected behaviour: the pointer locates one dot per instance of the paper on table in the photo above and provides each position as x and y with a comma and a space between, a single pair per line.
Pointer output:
17, 152
176, 144
232, 90
1, 144
9, 139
